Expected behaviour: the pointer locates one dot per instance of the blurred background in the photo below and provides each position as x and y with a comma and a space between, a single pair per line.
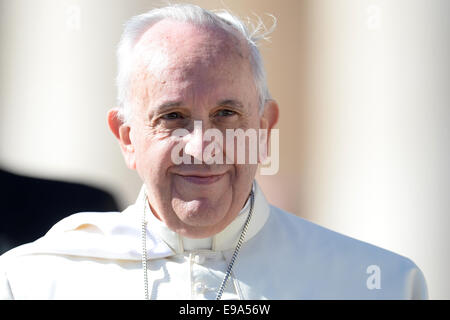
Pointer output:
363, 87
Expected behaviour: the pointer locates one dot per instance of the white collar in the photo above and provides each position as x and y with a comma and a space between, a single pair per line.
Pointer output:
224, 240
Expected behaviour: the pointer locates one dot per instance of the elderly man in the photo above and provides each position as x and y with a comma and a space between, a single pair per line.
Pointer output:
199, 229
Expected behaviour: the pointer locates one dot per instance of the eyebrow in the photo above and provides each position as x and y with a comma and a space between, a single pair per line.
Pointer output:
226, 102
169, 105
231, 103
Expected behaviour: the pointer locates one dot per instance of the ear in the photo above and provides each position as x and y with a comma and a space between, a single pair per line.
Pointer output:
121, 131
268, 120
270, 115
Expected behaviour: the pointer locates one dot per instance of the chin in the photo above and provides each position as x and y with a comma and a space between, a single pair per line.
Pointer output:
203, 218
200, 213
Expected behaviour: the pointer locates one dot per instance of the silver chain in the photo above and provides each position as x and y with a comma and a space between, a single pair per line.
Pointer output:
144, 249
233, 257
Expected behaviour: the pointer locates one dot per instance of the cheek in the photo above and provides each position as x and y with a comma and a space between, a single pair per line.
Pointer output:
245, 172
242, 181
153, 154
241, 147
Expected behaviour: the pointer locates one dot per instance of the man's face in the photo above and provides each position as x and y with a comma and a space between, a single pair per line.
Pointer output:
196, 75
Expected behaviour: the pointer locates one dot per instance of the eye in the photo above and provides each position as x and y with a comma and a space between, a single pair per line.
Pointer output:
172, 116
225, 113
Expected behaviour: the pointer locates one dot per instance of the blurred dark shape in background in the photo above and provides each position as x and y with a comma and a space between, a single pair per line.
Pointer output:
29, 207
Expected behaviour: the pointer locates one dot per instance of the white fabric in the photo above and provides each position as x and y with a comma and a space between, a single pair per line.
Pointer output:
98, 256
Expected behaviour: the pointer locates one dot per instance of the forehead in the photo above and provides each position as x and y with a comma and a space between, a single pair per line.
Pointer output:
178, 61
186, 41
172, 55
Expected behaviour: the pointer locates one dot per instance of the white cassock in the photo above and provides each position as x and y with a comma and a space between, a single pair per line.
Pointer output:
93, 255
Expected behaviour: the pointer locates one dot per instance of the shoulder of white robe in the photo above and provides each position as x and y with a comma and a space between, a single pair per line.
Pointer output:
108, 235
305, 256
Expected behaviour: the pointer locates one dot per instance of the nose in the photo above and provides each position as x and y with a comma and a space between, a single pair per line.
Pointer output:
194, 143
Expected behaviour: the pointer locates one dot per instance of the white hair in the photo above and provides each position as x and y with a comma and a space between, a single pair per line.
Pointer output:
223, 19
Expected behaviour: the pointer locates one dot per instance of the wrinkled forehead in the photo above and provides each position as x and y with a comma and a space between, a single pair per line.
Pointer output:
172, 44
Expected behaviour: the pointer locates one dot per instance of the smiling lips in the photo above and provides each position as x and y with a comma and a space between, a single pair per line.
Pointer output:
202, 179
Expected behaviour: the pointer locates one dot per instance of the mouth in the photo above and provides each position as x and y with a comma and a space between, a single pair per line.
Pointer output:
201, 179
